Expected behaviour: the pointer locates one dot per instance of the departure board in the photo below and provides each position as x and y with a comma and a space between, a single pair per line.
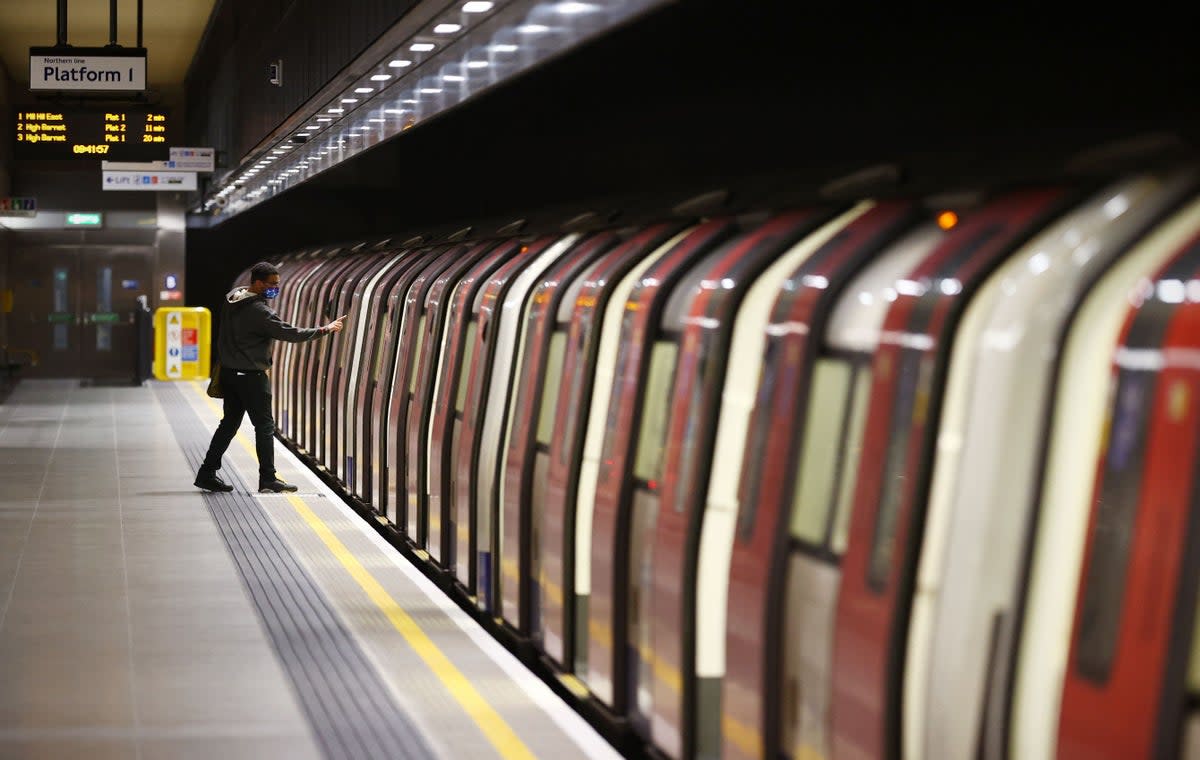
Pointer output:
112, 134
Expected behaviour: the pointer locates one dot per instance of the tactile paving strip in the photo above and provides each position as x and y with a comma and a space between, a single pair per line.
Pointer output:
351, 711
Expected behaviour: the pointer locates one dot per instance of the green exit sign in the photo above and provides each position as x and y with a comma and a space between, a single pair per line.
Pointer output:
85, 219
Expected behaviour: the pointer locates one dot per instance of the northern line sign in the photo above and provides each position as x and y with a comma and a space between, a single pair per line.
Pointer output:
87, 69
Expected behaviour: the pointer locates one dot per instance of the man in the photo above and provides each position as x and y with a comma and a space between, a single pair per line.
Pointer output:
248, 325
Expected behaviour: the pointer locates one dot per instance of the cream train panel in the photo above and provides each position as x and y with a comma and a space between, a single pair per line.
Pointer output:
605, 368
998, 382
437, 399
360, 328
857, 319
854, 326
737, 401
1075, 439
812, 591
509, 348
285, 405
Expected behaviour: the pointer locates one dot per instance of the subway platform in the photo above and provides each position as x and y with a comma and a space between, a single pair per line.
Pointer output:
143, 618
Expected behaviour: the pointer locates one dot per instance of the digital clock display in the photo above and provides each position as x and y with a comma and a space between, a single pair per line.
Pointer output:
113, 134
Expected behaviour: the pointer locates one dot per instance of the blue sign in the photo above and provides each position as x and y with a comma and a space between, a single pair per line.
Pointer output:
191, 353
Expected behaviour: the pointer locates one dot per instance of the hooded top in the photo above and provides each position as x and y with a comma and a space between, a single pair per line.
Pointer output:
248, 325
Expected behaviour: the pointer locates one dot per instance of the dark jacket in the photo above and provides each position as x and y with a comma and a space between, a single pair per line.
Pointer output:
248, 325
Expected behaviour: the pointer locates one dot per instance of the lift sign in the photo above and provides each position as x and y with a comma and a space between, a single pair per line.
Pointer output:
71, 72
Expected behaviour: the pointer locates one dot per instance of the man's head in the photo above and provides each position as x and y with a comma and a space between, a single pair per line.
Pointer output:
264, 279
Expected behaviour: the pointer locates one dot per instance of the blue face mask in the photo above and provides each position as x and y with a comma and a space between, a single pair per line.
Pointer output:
271, 292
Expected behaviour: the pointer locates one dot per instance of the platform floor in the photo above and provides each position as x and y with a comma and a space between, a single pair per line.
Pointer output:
143, 618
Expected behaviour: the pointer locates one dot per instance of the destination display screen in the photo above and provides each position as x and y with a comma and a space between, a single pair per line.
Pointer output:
110, 134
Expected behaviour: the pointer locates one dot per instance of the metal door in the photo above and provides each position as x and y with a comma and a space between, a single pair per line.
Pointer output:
74, 306
110, 280
44, 317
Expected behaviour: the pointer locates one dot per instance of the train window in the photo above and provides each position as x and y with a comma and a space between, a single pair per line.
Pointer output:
1193, 676
1117, 497
575, 382
852, 436
465, 370
385, 329
909, 410
823, 439
655, 411
550, 388
415, 356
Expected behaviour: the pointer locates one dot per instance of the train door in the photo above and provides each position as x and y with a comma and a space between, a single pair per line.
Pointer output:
74, 306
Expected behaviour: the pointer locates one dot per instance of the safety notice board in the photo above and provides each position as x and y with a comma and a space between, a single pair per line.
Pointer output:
182, 335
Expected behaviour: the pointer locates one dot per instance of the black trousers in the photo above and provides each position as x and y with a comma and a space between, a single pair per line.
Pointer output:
245, 393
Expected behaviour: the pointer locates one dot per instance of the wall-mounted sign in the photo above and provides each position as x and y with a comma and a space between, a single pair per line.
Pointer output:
118, 133
151, 181
18, 206
192, 159
135, 166
87, 69
85, 219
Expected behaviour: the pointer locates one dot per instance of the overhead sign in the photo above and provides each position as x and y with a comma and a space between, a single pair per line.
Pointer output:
87, 69
152, 181
18, 206
85, 219
192, 159
117, 133
136, 166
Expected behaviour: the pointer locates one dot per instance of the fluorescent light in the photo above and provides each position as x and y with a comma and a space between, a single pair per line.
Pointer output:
477, 6
364, 90
422, 47
324, 118
396, 111
410, 101
381, 77
377, 121
430, 90
477, 64
336, 110
447, 28
313, 126
504, 48
399, 63
533, 29
454, 78
349, 100
569, 8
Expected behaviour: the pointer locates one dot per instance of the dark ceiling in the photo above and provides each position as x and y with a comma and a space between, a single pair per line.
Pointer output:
769, 104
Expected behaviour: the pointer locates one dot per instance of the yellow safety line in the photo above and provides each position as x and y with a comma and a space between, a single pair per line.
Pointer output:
494, 727
746, 737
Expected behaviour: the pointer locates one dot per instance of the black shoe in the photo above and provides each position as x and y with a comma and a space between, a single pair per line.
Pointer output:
275, 486
210, 481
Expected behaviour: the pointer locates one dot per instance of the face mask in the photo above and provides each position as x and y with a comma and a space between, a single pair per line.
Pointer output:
271, 292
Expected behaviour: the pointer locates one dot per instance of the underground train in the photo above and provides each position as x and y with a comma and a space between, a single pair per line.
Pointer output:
897, 478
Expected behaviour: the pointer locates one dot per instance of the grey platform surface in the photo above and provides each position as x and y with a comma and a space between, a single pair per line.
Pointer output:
127, 631
124, 627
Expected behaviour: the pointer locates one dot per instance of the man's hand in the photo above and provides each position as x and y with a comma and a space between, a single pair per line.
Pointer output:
334, 326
